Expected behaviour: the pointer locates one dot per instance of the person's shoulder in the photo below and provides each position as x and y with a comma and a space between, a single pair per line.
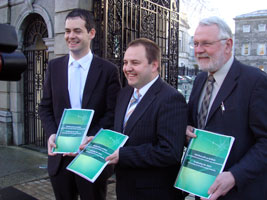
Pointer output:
251, 71
103, 62
59, 59
169, 90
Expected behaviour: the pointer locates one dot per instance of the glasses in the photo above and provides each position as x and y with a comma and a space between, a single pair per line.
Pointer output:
206, 44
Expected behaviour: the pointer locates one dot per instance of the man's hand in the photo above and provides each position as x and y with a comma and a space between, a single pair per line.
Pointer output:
85, 141
113, 158
189, 133
222, 184
51, 144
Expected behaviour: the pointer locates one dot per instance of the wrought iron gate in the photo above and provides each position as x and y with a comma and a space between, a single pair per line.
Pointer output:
37, 60
120, 21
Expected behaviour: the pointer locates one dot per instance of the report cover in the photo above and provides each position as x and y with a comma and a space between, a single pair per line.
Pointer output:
91, 161
204, 159
72, 129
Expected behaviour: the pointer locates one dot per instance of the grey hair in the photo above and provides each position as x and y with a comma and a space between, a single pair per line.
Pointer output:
224, 29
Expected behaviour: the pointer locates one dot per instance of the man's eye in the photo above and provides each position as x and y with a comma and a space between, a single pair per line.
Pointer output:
135, 63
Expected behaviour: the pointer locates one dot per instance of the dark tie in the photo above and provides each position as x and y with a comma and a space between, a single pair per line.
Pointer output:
205, 103
133, 103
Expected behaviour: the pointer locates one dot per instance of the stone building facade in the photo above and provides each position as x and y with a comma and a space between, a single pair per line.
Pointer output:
251, 38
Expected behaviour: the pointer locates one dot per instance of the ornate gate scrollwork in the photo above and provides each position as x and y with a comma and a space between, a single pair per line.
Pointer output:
37, 60
120, 21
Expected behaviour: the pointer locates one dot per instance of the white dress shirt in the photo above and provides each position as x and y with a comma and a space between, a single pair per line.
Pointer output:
219, 77
85, 63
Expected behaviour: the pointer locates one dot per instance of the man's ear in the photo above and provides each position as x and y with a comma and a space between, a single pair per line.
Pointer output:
229, 45
155, 65
92, 33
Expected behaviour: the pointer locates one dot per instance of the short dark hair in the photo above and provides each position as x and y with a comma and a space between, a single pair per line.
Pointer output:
86, 15
152, 49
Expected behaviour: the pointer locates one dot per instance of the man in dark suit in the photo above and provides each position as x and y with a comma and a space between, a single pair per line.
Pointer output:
237, 108
147, 166
98, 88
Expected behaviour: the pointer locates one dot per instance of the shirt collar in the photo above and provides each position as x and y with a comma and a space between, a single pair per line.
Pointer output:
222, 72
84, 62
144, 89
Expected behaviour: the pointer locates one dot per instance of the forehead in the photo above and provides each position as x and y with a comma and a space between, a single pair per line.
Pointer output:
204, 32
74, 22
135, 52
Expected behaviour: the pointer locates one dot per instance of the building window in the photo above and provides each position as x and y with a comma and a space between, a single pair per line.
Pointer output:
262, 27
246, 49
261, 49
246, 28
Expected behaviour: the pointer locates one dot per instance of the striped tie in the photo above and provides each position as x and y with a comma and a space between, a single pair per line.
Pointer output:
133, 103
205, 103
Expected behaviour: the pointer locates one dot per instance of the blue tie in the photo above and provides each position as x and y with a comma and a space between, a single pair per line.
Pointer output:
75, 85
133, 103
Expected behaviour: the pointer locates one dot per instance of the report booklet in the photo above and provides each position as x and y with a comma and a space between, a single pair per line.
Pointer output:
204, 159
90, 162
73, 127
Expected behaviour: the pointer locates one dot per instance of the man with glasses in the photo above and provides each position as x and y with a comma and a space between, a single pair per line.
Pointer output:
229, 98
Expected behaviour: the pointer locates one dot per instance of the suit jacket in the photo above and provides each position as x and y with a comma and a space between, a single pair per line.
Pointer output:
244, 95
150, 159
100, 92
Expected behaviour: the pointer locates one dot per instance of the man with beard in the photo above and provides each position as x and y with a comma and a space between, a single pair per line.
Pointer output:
229, 98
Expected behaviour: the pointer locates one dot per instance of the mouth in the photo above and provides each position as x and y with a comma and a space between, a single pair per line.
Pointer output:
130, 75
203, 57
73, 43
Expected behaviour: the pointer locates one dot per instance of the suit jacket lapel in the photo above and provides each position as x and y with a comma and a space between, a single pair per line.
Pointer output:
91, 80
143, 105
64, 80
197, 93
123, 104
226, 89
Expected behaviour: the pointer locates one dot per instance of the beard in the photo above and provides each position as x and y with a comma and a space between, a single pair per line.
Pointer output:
214, 64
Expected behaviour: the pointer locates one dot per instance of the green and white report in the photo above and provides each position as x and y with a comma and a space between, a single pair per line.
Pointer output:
204, 159
72, 129
91, 161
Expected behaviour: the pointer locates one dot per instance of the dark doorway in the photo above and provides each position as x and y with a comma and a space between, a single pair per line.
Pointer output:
37, 59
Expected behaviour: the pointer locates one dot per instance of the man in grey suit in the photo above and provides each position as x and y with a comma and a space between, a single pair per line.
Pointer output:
237, 108
95, 88
147, 166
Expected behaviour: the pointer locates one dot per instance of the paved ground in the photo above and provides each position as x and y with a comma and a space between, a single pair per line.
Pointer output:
25, 170
42, 190
19, 165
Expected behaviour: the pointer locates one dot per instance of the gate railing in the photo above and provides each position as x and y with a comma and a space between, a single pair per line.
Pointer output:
120, 21
33, 84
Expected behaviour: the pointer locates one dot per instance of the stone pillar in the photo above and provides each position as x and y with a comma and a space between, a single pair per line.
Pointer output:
16, 109
5, 128
62, 8
5, 115
50, 43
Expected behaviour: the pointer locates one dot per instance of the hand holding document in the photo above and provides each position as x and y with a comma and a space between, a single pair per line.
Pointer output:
72, 130
92, 160
204, 160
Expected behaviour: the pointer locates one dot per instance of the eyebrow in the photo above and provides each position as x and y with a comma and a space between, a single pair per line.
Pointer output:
75, 29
